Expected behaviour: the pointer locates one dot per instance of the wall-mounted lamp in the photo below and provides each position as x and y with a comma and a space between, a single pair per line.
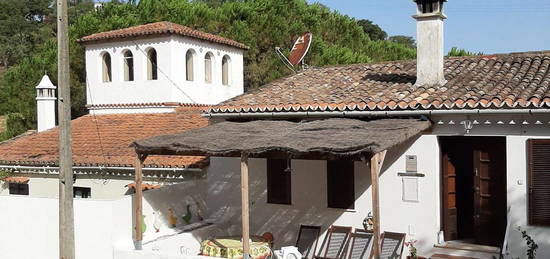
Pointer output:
468, 125
288, 168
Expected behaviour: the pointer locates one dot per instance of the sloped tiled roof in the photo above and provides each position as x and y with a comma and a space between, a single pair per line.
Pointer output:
504, 81
104, 140
160, 28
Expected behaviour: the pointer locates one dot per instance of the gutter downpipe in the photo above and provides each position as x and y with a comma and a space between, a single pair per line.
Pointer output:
374, 113
52, 168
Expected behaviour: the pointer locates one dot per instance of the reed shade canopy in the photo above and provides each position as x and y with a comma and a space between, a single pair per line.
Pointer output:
329, 138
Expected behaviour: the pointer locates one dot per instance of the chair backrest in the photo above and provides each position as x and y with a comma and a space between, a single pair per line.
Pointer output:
360, 244
335, 242
307, 240
391, 245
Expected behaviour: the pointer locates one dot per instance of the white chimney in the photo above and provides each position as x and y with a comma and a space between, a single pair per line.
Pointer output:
429, 40
45, 104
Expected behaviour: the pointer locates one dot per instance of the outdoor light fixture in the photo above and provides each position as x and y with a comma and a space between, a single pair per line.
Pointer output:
288, 169
468, 125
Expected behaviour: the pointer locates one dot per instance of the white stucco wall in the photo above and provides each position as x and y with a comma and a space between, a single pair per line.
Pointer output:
518, 201
309, 196
29, 228
171, 84
47, 186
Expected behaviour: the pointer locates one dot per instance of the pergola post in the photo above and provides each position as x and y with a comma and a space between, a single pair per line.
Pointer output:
138, 201
245, 208
376, 162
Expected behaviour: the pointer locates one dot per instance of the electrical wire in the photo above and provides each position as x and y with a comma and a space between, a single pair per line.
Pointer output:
165, 75
94, 117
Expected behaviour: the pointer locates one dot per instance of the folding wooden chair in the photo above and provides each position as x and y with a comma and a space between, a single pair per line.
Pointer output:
392, 245
360, 244
334, 244
307, 240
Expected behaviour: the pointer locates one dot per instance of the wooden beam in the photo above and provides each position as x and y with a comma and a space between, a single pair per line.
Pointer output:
376, 162
138, 200
244, 204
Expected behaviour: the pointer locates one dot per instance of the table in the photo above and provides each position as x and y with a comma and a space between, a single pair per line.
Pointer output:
231, 247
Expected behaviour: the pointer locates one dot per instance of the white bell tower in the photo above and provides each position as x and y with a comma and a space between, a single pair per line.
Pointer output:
45, 104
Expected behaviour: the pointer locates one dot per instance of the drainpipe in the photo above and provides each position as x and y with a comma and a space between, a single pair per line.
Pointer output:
332, 114
55, 168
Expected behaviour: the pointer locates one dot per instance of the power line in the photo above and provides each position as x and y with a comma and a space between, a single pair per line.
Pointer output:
159, 69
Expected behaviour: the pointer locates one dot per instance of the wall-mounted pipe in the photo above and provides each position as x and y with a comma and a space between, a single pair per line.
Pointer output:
99, 168
332, 114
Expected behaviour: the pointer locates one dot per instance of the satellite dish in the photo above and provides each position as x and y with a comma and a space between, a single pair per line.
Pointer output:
298, 52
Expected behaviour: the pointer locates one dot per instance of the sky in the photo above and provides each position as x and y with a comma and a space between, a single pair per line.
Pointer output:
488, 26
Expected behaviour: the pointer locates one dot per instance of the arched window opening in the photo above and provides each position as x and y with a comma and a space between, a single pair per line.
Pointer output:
152, 69
106, 65
189, 65
128, 66
225, 70
208, 67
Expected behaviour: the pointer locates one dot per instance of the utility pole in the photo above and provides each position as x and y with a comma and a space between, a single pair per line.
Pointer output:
66, 213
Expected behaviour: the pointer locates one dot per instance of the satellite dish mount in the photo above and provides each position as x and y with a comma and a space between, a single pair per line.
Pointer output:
298, 52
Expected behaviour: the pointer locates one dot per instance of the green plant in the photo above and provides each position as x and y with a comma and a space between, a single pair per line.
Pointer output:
531, 244
412, 248
456, 52
4, 174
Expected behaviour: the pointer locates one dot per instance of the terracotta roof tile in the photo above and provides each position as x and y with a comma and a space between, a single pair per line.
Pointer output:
15, 179
104, 140
160, 28
144, 186
517, 80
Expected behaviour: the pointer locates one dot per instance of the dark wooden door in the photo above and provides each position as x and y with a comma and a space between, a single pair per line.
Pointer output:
489, 193
449, 199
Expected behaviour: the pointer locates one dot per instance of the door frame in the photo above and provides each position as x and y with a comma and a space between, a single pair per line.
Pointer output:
443, 141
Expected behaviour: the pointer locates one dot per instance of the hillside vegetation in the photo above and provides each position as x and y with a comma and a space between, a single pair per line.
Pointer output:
260, 24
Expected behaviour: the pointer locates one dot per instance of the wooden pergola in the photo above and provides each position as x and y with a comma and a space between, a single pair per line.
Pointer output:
365, 141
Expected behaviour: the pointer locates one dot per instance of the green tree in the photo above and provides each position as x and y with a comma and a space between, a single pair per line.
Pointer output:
406, 41
23, 26
456, 52
373, 30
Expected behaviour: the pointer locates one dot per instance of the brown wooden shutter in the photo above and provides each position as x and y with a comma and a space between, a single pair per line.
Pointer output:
278, 182
340, 184
539, 181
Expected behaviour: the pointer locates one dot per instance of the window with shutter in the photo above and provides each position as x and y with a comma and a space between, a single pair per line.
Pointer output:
82, 192
19, 188
340, 184
539, 181
278, 181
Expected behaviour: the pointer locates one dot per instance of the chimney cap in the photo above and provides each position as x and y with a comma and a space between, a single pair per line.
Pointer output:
45, 83
428, 1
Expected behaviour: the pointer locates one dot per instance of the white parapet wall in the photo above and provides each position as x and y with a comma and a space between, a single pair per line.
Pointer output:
29, 228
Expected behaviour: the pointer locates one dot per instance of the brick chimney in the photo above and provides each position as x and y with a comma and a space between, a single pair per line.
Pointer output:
45, 104
429, 37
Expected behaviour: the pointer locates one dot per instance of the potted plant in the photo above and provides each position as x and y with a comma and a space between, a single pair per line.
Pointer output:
412, 250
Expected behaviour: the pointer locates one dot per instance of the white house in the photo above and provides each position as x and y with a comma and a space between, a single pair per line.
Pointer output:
160, 74
461, 188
